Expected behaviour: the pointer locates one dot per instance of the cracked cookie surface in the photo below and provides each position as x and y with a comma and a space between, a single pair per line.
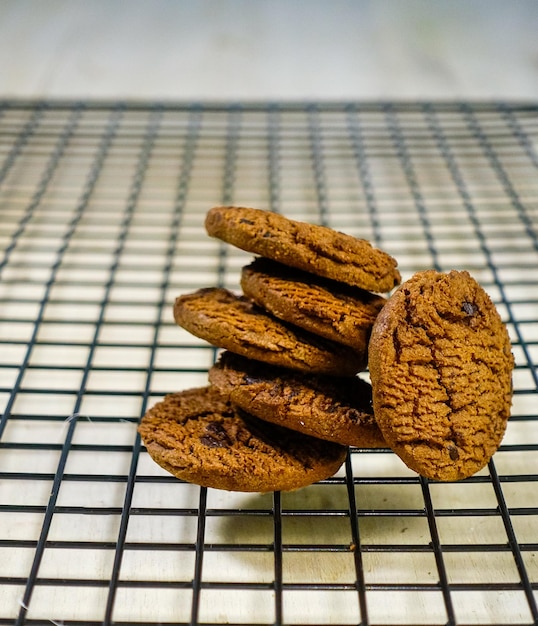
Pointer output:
200, 437
236, 324
309, 247
331, 408
324, 307
441, 369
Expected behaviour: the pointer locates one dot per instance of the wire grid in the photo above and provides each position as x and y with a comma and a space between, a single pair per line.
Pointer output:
101, 224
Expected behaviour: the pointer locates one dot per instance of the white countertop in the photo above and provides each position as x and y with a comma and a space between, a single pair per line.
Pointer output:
259, 50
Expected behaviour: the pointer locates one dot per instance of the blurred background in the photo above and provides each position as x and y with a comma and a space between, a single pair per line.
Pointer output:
269, 49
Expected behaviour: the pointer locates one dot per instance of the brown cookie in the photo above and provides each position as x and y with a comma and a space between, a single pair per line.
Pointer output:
333, 409
440, 365
309, 247
200, 437
234, 323
327, 308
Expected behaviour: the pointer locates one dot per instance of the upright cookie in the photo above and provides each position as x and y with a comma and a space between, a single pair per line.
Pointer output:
309, 247
228, 321
327, 308
201, 438
330, 408
440, 365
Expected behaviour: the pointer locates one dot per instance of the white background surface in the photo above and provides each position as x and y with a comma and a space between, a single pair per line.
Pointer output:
269, 49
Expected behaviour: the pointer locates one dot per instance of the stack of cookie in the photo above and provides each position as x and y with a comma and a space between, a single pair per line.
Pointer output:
284, 401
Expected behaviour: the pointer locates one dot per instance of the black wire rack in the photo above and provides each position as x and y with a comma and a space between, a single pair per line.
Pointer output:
101, 227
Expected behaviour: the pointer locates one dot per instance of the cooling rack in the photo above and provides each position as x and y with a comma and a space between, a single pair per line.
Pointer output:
101, 227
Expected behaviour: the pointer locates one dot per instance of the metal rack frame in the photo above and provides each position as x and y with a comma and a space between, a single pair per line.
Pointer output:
101, 226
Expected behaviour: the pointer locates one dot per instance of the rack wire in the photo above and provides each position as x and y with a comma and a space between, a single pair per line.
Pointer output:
101, 227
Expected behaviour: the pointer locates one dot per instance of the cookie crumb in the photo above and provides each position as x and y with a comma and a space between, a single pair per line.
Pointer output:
453, 452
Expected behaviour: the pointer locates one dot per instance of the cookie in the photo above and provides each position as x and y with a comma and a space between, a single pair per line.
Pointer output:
236, 324
330, 408
327, 308
200, 437
309, 247
440, 366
